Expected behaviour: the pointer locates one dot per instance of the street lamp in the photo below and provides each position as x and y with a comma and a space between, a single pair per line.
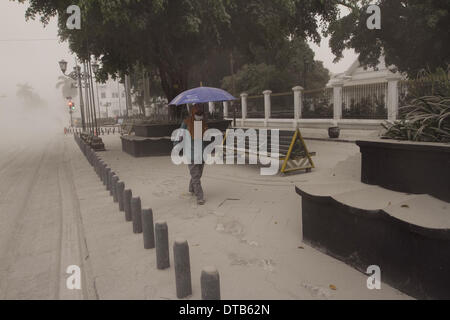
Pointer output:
95, 67
76, 76
63, 66
86, 76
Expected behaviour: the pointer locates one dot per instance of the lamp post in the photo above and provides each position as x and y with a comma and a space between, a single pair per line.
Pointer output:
95, 68
86, 76
77, 76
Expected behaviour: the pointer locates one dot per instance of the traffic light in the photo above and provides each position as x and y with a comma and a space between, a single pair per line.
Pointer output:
71, 106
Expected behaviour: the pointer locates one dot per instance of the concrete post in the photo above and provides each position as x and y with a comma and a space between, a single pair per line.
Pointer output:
182, 269
136, 213
162, 245
337, 100
114, 188
127, 195
267, 106
244, 97
104, 173
210, 283
112, 174
298, 104
225, 109
211, 107
120, 190
148, 228
106, 182
392, 97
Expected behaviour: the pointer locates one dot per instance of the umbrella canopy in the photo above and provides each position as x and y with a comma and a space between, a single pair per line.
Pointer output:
202, 95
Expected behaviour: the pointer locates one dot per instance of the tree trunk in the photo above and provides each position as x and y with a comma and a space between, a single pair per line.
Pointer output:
173, 83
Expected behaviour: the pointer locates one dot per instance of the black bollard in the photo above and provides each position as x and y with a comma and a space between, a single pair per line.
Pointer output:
148, 229
112, 174
127, 195
182, 269
162, 245
108, 176
119, 190
210, 283
136, 213
100, 169
105, 182
114, 189
103, 175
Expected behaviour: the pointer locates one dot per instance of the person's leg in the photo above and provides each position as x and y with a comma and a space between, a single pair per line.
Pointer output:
191, 182
196, 174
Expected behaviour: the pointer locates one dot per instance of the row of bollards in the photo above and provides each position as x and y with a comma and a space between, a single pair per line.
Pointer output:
155, 235
101, 131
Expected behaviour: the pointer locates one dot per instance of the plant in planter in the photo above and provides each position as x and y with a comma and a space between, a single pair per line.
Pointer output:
334, 131
427, 119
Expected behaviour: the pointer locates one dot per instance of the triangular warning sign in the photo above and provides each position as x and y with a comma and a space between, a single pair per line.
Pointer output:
298, 156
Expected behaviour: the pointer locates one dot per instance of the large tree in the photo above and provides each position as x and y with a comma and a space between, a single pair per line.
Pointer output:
175, 35
280, 69
29, 97
413, 34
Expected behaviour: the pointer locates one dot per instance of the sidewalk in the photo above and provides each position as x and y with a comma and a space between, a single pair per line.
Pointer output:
250, 229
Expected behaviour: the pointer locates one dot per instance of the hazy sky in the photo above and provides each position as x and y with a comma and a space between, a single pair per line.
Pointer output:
36, 62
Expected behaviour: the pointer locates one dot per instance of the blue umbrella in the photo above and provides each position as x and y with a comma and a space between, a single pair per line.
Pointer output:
202, 95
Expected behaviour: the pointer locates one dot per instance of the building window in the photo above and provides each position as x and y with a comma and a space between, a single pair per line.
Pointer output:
103, 95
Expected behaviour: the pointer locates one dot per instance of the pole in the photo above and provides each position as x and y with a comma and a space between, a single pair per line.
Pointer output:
128, 92
91, 86
88, 103
120, 104
98, 100
71, 120
233, 84
80, 87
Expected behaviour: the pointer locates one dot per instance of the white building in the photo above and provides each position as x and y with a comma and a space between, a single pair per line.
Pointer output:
112, 99
358, 75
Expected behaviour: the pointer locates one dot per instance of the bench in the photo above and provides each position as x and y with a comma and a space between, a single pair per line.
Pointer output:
293, 152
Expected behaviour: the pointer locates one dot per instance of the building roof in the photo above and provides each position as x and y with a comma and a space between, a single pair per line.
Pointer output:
358, 74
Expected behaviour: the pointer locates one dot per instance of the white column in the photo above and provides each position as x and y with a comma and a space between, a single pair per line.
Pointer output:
267, 106
211, 107
392, 97
244, 97
337, 100
225, 109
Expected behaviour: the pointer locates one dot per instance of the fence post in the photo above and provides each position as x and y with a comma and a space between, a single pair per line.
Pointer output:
392, 97
225, 109
298, 104
267, 107
337, 100
244, 97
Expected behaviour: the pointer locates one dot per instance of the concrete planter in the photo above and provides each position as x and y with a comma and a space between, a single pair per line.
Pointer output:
418, 168
166, 130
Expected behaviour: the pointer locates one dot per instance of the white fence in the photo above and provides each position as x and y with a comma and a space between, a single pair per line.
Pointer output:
355, 105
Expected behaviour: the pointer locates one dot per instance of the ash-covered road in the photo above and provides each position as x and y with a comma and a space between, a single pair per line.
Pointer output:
40, 228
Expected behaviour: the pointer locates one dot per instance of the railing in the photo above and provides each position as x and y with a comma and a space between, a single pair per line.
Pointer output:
318, 104
365, 101
282, 105
255, 107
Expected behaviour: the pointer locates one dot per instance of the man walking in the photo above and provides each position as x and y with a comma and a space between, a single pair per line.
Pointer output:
195, 170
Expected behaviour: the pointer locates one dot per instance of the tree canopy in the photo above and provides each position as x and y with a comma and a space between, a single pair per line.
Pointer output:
413, 34
280, 69
173, 36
